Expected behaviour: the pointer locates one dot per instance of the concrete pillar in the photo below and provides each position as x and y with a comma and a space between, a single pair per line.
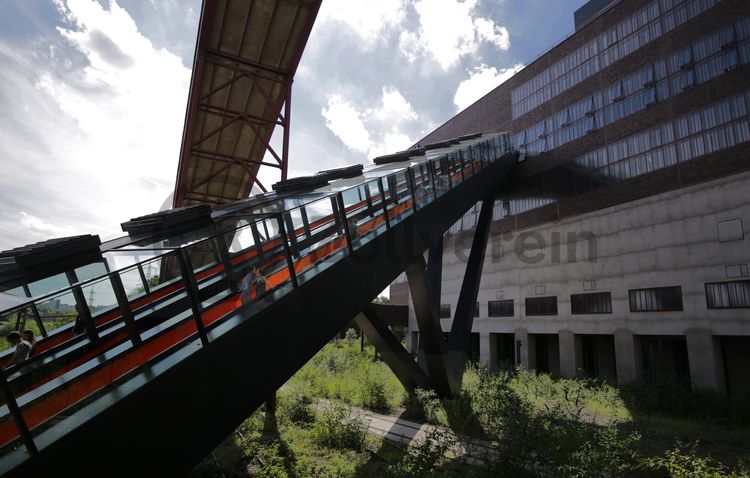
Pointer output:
487, 352
625, 356
523, 354
705, 360
568, 354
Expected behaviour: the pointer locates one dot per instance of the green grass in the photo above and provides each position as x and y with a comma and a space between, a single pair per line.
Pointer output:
542, 427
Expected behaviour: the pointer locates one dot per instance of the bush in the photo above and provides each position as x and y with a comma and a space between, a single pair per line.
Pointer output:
297, 408
424, 404
351, 335
608, 454
676, 400
682, 461
271, 462
373, 393
427, 458
337, 428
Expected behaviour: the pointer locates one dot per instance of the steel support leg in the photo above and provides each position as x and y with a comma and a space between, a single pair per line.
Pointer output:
463, 319
391, 351
427, 311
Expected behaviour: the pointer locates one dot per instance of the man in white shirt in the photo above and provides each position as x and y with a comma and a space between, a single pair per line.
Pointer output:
22, 347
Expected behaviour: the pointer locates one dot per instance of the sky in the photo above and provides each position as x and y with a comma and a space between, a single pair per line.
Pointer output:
93, 94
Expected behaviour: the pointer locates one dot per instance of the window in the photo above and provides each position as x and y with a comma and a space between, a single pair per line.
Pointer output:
595, 303
500, 308
660, 299
541, 305
617, 93
476, 309
728, 295
445, 311
650, 79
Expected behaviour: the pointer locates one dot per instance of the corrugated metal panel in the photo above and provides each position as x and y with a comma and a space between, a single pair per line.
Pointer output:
246, 56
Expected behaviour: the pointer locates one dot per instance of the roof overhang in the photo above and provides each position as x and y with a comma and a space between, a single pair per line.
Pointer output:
246, 55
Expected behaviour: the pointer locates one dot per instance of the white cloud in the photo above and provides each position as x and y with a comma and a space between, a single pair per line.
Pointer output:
39, 227
489, 32
346, 123
367, 18
448, 30
481, 81
90, 128
374, 131
394, 108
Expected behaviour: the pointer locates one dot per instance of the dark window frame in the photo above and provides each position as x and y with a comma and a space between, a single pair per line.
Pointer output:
494, 305
589, 299
632, 298
542, 302
730, 307
443, 309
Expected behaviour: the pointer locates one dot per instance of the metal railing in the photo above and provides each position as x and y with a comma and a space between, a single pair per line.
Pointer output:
292, 246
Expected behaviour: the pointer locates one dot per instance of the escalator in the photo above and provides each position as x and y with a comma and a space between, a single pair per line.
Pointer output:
175, 367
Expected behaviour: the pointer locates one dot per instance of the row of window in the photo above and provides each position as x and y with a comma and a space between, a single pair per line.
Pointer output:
718, 126
629, 35
642, 88
719, 295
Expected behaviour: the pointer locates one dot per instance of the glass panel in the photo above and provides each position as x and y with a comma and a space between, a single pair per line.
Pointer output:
455, 168
49, 284
398, 188
329, 242
319, 214
442, 176
20, 320
423, 184
91, 271
240, 239
12, 432
57, 311
202, 254
132, 282
17, 292
101, 297
155, 270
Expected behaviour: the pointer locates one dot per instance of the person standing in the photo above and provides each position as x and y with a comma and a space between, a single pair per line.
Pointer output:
28, 336
22, 347
253, 284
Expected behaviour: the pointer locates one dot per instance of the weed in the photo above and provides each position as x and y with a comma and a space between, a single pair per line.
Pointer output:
338, 428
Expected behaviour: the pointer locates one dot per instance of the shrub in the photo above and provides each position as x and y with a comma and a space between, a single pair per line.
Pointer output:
682, 461
297, 408
427, 458
425, 404
373, 393
351, 335
608, 454
272, 462
676, 400
337, 428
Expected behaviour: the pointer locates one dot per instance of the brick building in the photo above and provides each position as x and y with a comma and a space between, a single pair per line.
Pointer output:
620, 251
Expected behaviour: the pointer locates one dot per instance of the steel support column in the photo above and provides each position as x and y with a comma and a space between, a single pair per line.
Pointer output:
392, 352
463, 319
82, 308
428, 320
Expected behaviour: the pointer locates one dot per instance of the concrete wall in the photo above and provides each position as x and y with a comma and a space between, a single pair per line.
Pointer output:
670, 239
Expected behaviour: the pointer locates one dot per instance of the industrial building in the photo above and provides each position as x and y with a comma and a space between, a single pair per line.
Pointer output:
620, 251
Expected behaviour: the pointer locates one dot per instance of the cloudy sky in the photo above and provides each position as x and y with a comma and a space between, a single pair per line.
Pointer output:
93, 94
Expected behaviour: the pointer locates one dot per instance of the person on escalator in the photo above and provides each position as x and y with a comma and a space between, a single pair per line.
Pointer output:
253, 284
353, 230
28, 336
22, 347
78, 326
